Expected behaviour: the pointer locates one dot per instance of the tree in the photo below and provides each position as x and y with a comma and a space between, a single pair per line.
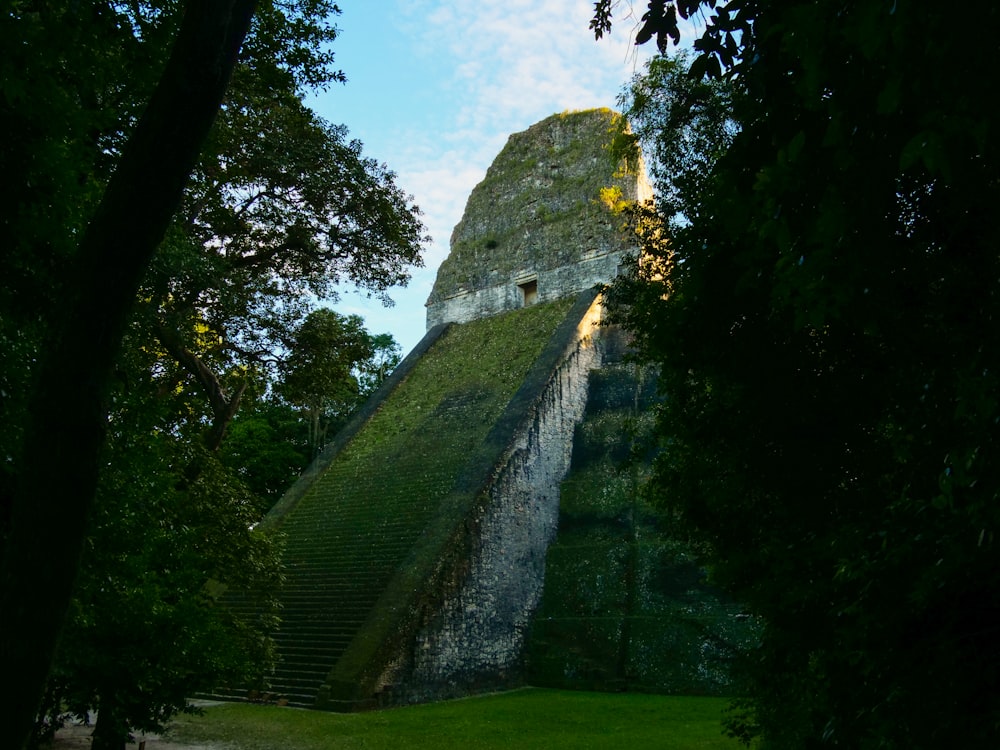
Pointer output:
682, 125
172, 531
333, 366
81, 341
267, 447
827, 341
255, 232
283, 207
147, 626
329, 358
386, 355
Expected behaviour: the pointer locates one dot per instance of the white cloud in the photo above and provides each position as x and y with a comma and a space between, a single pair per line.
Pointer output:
442, 185
516, 62
512, 63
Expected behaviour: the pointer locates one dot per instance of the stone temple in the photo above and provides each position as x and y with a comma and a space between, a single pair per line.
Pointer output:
478, 524
535, 230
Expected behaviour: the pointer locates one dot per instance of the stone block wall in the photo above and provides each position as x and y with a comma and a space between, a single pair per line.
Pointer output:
626, 605
550, 284
476, 639
538, 216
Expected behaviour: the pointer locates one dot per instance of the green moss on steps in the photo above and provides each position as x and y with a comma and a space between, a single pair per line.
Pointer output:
351, 532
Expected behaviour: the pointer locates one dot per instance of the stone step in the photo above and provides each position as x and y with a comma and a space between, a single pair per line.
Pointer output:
363, 509
320, 635
299, 677
360, 518
316, 578
324, 608
314, 639
293, 653
319, 561
316, 632
374, 548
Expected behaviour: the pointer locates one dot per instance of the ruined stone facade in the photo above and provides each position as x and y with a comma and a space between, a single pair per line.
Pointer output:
536, 229
474, 638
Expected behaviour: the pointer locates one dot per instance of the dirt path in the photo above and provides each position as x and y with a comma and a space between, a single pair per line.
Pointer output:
77, 737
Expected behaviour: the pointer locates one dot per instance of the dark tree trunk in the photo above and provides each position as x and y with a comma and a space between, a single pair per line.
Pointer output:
110, 733
59, 466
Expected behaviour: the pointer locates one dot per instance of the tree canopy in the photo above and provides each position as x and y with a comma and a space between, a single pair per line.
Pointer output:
333, 364
133, 215
824, 318
74, 344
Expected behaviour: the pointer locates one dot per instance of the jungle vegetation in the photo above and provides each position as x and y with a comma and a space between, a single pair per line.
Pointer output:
172, 215
819, 288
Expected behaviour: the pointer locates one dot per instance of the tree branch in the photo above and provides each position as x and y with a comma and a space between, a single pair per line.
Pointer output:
58, 468
223, 408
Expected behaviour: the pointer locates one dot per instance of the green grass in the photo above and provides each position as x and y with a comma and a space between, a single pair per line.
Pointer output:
530, 718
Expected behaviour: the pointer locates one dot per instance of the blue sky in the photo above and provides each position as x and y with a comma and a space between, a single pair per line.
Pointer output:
434, 89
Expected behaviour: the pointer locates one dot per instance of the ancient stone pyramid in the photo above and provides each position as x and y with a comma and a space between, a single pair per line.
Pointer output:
416, 544
535, 229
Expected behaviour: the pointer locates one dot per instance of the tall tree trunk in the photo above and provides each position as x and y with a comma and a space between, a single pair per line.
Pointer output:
57, 476
110, 733
314, 418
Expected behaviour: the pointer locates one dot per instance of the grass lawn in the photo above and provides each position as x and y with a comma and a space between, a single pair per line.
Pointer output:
530, 718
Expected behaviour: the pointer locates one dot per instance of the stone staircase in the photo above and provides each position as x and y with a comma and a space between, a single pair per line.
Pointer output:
342, 549
363, 527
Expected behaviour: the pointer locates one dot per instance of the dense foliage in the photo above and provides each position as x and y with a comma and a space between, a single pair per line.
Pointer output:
278, 209
320, 370
146, 625
825, 318
68, 349
332, 366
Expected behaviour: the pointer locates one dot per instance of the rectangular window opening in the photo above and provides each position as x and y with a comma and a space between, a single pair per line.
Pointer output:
529, 292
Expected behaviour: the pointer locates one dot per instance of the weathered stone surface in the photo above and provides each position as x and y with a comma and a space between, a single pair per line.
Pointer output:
537, 223
625, 604
475, 639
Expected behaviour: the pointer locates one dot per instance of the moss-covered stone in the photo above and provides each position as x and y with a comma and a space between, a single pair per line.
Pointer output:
625, 604
538, 209
350, 531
